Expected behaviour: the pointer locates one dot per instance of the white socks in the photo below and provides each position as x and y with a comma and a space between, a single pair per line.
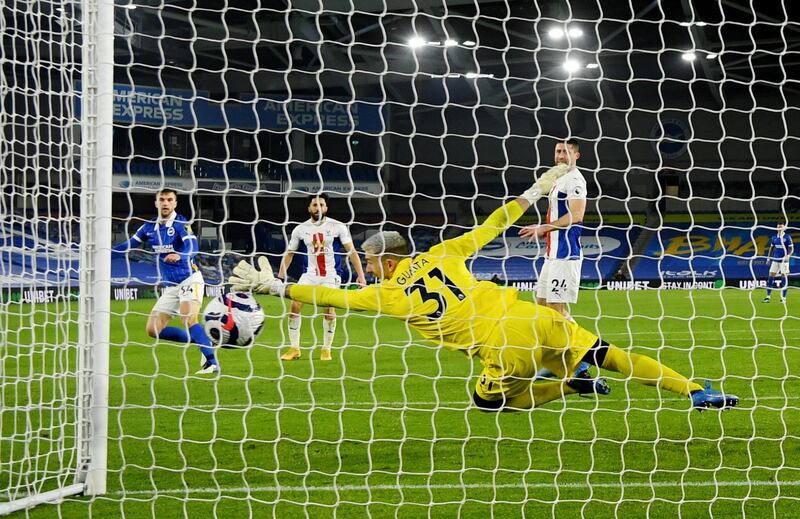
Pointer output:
294, 331
329, 328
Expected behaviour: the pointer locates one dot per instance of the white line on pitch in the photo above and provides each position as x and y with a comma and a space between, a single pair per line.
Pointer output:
463, 404
465, 486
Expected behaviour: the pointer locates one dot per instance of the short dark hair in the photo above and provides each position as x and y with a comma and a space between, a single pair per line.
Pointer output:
323, 196
167, 190
574, 143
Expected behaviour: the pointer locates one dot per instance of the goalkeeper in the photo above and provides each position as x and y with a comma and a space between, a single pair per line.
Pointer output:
435, 294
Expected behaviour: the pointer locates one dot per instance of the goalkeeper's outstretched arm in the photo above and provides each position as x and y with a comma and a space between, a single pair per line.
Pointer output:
261, 280
502, 218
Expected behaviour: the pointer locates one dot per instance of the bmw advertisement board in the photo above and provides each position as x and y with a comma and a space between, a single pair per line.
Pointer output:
709, 253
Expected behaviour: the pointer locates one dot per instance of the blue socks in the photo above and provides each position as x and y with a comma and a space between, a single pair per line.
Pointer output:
200, 338
785, 291
172, 333
196, 335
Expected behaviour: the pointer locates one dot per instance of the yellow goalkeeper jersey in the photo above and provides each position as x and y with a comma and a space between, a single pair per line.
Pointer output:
434, 292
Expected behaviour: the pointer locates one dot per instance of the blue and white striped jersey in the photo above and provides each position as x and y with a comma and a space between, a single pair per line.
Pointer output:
565, 243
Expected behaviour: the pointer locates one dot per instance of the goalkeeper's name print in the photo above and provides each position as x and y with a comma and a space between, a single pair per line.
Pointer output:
416, 265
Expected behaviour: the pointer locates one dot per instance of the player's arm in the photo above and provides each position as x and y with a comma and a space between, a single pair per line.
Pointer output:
133, 243
473, 241
261, 280
367, 298
285, 262
503, 217
189, 245
769, 252
789, 251
355, 260
288, 256
577, 209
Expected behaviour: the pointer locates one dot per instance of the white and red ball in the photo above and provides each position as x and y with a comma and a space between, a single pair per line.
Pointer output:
233, 320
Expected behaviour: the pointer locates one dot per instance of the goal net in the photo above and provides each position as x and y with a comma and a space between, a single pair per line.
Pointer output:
421, 117
54, 227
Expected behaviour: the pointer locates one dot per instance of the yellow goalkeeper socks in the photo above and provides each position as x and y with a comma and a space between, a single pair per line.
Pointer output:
648, 371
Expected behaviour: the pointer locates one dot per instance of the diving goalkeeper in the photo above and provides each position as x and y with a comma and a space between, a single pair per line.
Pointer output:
436, 294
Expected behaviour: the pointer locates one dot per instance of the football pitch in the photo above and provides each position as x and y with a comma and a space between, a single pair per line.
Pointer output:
387, 428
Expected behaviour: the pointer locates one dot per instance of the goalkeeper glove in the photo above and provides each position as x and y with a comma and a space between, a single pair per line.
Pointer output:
545, 183
261, 280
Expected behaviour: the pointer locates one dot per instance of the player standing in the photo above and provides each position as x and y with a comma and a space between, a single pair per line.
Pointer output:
436, 295
171, 237
560, 277
319, 234
780, 251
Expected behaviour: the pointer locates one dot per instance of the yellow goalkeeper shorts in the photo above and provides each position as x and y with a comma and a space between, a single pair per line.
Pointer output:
529, 337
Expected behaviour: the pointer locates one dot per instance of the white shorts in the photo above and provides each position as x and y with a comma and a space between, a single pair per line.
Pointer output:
559, 281
190, 289
320, 281
779, 266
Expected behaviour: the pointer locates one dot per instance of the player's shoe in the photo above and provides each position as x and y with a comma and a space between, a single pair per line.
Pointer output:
291, 354
585, 384
209, 368
707, 398
783, 300
765, 300
325, 354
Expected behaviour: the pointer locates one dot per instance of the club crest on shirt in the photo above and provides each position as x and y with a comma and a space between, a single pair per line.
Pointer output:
318, 242
170, 231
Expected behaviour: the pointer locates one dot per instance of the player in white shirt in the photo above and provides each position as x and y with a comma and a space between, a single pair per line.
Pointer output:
560, 277
318, 234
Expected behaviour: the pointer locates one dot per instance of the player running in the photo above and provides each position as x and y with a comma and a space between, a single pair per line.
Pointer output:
780, 251
319, 235
171, 237
435, 294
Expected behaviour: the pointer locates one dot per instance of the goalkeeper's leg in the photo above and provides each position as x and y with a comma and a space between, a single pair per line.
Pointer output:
640, 368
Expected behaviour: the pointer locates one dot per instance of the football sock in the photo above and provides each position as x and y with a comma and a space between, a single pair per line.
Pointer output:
539, 395
200, 338
770, 283
329, 328
785, 290
648, 371
294, 331
173, 333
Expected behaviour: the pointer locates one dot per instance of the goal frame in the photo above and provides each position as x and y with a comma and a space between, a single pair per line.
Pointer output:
91, 399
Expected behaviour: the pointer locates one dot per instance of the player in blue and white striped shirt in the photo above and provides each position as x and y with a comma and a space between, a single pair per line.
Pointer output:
171, 237
780, 250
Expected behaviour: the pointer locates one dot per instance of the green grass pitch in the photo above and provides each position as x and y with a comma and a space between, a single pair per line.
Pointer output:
387, 430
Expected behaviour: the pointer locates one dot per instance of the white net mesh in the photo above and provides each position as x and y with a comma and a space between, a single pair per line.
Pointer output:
421, 117
39, 266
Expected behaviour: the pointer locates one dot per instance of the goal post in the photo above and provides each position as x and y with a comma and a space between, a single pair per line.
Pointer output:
55, 393
95, 247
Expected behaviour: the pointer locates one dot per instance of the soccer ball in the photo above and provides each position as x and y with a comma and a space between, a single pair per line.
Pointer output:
233, 320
